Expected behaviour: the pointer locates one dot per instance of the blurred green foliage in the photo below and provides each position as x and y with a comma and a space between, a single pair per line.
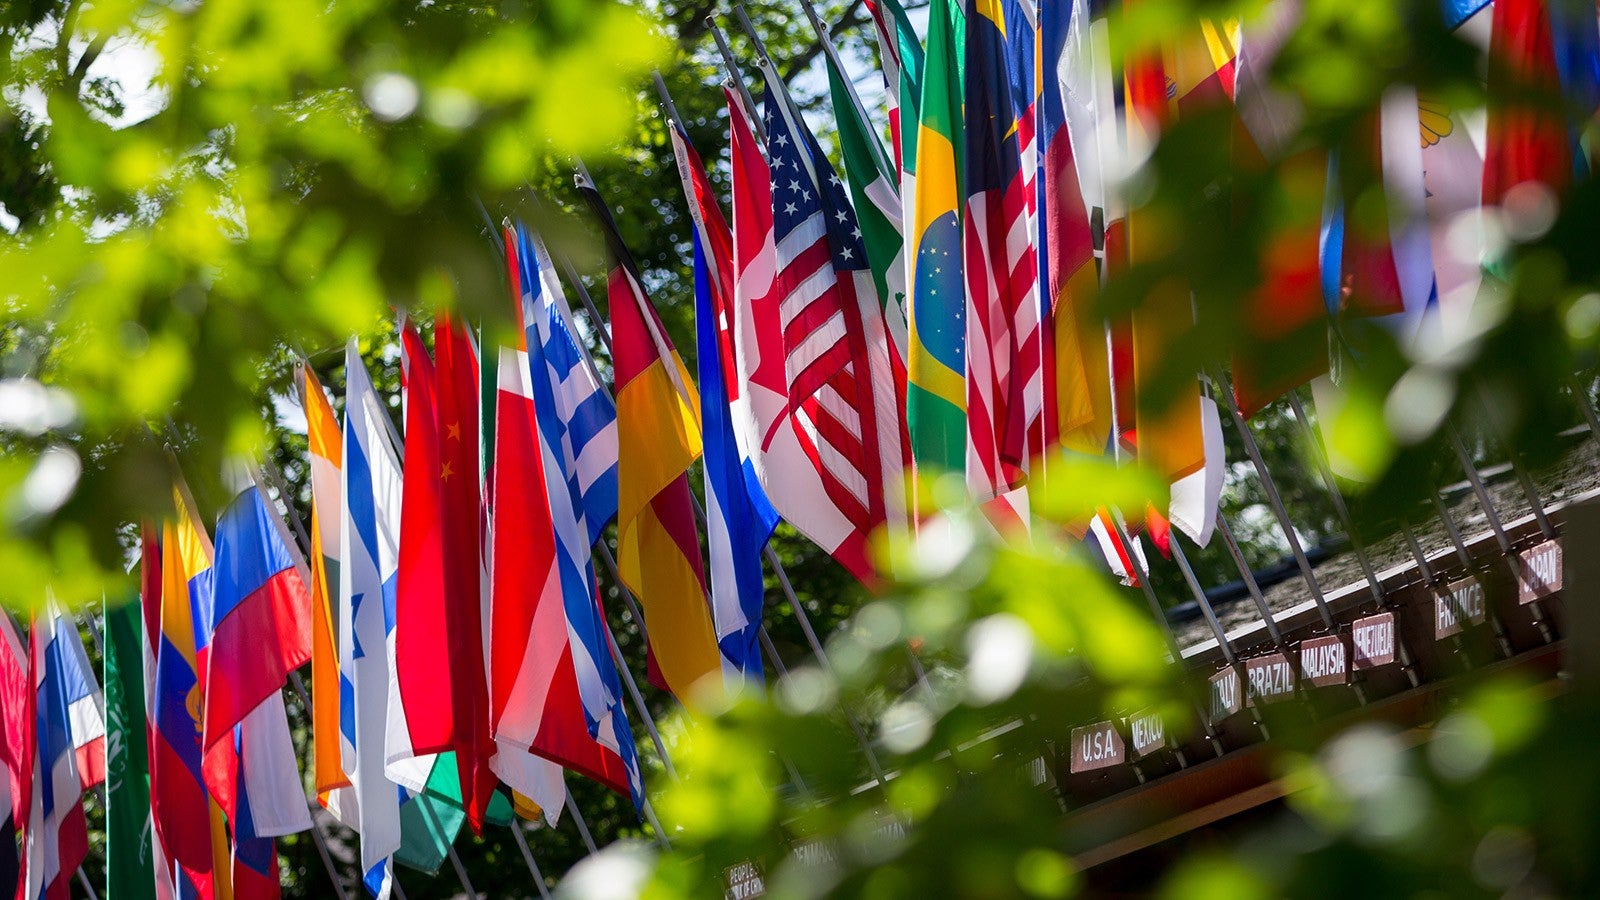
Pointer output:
294, 171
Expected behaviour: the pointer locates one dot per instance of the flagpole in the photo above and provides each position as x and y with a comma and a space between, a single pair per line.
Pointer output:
527, 857
825, 38
1224, 393
1495, 525
1374, 584
87, 886
600, 329
744, 92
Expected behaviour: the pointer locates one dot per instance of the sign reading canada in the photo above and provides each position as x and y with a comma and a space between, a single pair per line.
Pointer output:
1464, 600
1096, 747
1270, 677
1538, 572
1225, 699
1372, 641
1148, 731
1323, 661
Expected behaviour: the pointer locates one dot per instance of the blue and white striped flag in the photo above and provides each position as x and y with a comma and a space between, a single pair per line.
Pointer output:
578, 431
739, 518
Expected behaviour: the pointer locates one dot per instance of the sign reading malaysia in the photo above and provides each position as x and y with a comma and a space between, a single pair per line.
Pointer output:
1538, 572
1271, 678
1096, 747
1148, 731
1225, 699
1323, 661
1465, 599
1372, 641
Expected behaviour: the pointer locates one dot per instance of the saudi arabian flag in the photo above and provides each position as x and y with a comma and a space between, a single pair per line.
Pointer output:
876, 197
936, 396
130, 871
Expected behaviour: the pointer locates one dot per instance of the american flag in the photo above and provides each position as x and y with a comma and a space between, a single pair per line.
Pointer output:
841, 388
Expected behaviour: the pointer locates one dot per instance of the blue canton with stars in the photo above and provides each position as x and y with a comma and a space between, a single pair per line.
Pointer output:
796, 197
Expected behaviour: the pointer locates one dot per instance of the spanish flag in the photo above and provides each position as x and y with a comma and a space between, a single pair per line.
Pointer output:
658, 436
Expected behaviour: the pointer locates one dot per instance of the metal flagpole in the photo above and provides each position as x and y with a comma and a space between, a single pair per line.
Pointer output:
600, 329
527, 857
1223, 393
738, 81
1473, 570
1540, 619
88, 888
1223, 643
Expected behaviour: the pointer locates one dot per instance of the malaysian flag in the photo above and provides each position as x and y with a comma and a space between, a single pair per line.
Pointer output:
1005, 347
841, 391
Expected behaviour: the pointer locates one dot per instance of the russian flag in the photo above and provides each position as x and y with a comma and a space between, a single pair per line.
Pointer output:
257, 630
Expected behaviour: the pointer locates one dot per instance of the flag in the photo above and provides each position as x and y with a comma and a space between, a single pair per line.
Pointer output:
463, 524
875, 193
658, 437
1004, 341
68, 728
1527, 133
1283, 342
368, 532
327, 511
901, 62
1168, 435
936, 398
557, 690
739, 517
130, 864
421, 723
255, 632
16, 751
1077, 390
841, 411
180, 806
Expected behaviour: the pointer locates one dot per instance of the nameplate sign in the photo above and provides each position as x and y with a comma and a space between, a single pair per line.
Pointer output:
1465, 599
1097, 746
744, 881
1148, 731
1270, 678
1372, 642
1324, 662
1538, 572
1225, 694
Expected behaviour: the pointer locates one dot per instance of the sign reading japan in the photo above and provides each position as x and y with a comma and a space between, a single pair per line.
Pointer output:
1538, 572
1096, 746
1148, 731
1372, 641
1323, 661
1225, 699
1271, 677
1464, 600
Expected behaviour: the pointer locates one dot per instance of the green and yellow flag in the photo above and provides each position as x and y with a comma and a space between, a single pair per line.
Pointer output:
936, 400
